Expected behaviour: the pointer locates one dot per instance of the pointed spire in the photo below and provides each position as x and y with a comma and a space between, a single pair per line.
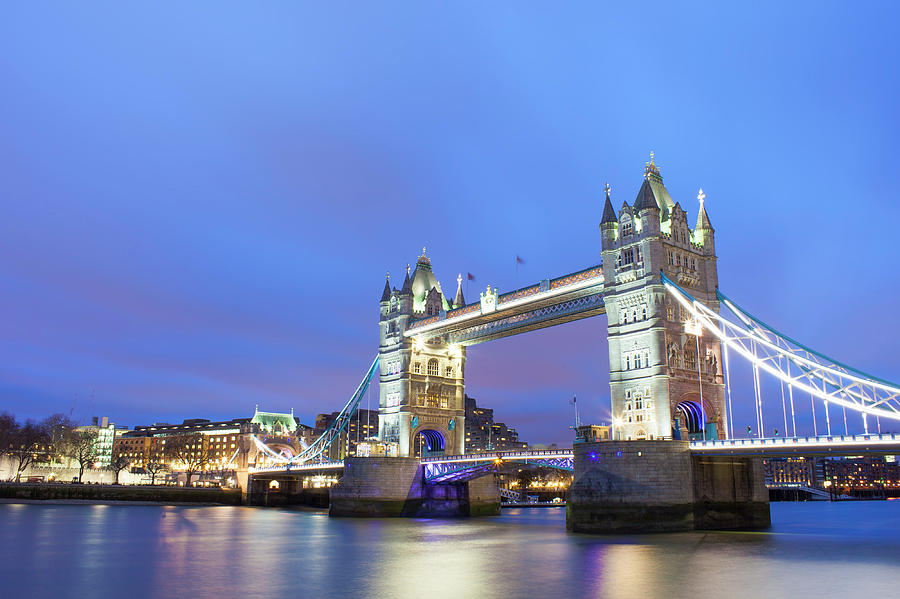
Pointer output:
609, 213
702, 217
645, 198
460, 301
386, 294
407, 284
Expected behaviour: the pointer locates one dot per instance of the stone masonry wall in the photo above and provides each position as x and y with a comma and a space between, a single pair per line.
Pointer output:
631, 486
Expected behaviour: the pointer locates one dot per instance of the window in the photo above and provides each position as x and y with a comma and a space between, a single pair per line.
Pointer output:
626, 228
417, 368
644, 312
671, 257
637, 361
628, 256
627, 362
432, 367
449, 371
670, 313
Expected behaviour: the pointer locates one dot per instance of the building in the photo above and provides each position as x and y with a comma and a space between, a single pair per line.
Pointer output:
106, 433
790, 472
853, 475
483, 434
590, 433
223, 445
362, 426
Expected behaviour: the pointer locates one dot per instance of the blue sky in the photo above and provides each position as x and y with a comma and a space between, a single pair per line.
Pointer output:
200, 201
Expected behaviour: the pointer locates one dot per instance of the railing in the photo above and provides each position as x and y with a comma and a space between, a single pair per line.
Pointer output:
502, 455
780, 442
330, 465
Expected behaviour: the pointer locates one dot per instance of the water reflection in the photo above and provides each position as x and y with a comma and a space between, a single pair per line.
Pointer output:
823, 550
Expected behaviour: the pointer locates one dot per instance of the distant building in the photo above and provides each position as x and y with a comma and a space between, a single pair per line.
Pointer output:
227, 443
863, 473
483, 434
781, 472
106, 434
592, 433
361, 426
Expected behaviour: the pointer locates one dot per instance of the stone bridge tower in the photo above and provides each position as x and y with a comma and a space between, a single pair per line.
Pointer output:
422, 396
653, 361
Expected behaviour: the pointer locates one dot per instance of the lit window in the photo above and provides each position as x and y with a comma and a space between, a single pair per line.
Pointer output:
417, 368
432, 367
449, 371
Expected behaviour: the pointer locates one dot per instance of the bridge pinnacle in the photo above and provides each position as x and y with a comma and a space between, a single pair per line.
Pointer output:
701, 196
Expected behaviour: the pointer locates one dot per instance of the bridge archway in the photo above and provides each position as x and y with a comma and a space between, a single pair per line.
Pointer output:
429, 442
690, 416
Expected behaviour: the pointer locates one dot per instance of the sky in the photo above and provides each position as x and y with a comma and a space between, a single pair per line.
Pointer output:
200, 201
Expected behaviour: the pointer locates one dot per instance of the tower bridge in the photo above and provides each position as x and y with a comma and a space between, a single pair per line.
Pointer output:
673, 461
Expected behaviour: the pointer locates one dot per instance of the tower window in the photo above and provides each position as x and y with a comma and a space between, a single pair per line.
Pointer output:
626, 228
432, 367
449, 371
417, 368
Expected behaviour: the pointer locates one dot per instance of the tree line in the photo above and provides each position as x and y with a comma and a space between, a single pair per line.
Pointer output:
58, 438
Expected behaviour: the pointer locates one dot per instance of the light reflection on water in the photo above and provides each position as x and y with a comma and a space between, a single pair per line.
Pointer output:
847, 549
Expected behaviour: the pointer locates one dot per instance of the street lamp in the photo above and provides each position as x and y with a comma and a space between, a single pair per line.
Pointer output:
693, 327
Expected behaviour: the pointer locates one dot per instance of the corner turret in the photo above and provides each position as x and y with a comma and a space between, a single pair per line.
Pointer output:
609, 223
459, 301
704, 232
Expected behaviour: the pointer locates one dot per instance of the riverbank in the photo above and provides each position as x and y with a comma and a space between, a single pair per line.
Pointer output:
63, 492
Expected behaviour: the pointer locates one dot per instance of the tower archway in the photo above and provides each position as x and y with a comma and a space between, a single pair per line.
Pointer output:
429, 442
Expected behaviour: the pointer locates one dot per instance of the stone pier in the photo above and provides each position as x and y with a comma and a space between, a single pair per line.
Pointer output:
394, 487
659, 486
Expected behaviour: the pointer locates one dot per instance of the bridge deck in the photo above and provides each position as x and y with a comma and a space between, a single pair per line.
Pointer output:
460, 467
836, 445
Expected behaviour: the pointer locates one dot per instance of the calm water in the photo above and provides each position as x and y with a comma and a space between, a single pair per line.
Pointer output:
848, 549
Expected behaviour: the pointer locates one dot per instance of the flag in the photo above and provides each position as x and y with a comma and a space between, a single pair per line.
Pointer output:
519, 260
470, 276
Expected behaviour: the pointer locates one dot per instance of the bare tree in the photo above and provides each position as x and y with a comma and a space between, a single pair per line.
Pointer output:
28, 440
188, 452
154, 466
61, 434
116, 465
83, 449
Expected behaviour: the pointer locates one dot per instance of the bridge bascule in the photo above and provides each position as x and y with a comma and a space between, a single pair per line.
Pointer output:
671, 353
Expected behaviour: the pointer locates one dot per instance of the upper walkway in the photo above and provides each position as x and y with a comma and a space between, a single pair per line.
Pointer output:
547, 303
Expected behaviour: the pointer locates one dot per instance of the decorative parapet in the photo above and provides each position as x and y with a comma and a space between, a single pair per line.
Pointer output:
518, 294
488, 301
584, 275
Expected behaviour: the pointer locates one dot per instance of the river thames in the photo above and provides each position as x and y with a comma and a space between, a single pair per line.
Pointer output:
844, 549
